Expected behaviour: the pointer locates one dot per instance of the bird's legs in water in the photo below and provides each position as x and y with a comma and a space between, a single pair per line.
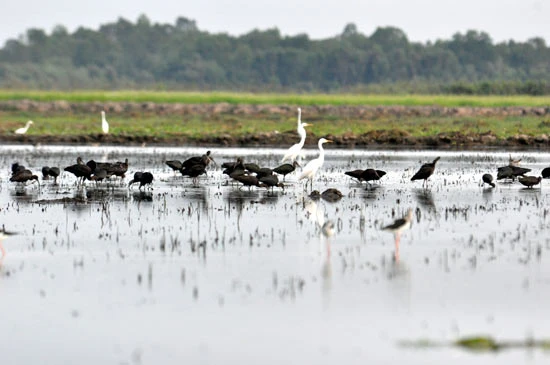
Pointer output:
397, 240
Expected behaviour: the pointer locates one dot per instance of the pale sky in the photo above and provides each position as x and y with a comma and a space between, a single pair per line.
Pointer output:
421, 20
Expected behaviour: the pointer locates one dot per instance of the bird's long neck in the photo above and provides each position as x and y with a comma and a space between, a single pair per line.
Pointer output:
321, 152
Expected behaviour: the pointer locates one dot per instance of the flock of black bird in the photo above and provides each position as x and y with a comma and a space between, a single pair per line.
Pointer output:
248, 174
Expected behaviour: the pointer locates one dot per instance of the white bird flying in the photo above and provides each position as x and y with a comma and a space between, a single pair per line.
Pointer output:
313, 166
24, 129
104, 124
295, 149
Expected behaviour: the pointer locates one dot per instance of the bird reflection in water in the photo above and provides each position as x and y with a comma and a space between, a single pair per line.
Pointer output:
315, 212
425, 198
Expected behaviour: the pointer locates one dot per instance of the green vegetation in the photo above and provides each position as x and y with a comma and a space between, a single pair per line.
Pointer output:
205, 126
180, 56
277, 99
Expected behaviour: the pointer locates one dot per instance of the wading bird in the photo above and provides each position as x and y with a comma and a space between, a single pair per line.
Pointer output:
21, 177
488, 179
545, 173
511, 172
397, 227
24, 129
286, 169
104, 123
294, 151
425, 172
310, 170
143, 178
175, 165
80, 170
50, 171
272, 181
512, 162
529, 181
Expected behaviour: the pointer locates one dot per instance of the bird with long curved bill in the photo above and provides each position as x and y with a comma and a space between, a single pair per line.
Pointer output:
425, 172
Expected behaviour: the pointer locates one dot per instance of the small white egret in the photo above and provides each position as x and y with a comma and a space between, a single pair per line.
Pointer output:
313, 166
294, 151
24, 129
104, 124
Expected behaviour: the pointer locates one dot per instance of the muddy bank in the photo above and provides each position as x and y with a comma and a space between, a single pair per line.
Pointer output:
374, 139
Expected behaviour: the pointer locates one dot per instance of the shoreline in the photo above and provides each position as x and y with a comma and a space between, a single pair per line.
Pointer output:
381, 140
387, 139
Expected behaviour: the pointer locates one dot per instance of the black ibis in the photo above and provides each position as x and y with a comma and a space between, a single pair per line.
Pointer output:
425, 172
488, 179
271, 181
23, 176
174, 165
286, 169
529, 181
143, 178
50, 171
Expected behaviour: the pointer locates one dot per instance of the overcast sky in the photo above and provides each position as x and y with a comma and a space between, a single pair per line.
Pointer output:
421, 20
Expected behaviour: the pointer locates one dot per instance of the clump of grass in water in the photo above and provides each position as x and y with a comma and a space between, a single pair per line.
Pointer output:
480, 344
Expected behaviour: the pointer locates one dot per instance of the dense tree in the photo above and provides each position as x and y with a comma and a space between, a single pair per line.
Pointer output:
180, 56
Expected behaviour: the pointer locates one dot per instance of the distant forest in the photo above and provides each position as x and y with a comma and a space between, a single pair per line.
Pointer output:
180, 56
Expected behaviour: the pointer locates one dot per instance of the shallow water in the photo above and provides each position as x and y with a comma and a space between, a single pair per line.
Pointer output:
214, 274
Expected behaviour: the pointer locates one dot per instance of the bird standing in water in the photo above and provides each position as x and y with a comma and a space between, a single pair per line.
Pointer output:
143, 178
529, 181
488, 179
425, 172
310, 170
397, 227
286, 169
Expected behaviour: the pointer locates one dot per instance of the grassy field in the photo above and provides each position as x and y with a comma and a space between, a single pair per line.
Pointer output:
277, 99
198, 126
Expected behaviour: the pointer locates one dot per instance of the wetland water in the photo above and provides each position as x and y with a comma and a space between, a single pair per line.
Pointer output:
213, 274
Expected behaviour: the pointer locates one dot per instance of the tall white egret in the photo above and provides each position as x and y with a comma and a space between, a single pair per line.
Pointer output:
24, 129
313, 166
294, 151
104, 124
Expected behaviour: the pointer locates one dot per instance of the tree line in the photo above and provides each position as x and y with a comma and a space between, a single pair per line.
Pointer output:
180, 56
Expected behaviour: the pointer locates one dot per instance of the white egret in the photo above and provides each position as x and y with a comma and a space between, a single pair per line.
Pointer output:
294, 151
104, 124
313, 166
24, 129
